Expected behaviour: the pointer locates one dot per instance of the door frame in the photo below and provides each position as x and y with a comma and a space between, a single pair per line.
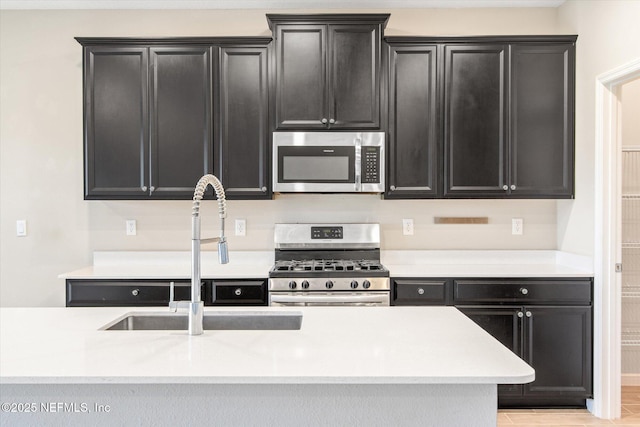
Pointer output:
607, 289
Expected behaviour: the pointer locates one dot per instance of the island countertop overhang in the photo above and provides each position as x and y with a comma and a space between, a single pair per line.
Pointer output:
336, 345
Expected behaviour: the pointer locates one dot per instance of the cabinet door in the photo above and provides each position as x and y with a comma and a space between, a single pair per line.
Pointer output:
558, 345
301, 73
542, 103
115, 122
353, 85
474, 132
504, 324
413, 147
181, 117
242, 151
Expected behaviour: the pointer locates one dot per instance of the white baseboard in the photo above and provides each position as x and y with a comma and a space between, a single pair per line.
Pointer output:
630, 379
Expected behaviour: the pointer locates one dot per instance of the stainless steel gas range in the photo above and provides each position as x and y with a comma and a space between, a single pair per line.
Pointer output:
328, 264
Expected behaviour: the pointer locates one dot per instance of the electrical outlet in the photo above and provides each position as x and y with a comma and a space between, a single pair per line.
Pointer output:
241, 227
407, 227
21, 227
131, 227
517, 225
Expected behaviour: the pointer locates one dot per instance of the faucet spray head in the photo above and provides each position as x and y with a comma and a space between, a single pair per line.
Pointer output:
223, 251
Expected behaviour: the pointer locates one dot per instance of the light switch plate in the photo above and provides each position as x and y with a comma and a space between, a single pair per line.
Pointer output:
21, 227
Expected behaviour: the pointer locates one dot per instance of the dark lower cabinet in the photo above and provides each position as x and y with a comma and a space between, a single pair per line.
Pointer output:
143, 292
548, 323
555, 341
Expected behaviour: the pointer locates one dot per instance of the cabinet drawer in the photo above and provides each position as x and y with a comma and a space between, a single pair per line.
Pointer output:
238, 292
113, 293
529, 291
420, 292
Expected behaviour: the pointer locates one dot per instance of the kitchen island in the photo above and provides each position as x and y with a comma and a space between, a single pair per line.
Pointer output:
345, 366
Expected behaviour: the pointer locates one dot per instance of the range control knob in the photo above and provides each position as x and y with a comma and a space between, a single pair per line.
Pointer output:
292, 284
366, 284
354, 284
329, 284
305, 284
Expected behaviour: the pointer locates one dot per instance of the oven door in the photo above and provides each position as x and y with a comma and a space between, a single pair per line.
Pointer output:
370, 299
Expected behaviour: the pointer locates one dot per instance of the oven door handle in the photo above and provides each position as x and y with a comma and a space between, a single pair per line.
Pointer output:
381, 298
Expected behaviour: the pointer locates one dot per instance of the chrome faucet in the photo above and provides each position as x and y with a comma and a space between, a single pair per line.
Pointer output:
196, 306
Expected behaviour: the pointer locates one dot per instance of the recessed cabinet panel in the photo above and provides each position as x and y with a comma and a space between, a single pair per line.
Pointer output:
301, 73
243, 151
116, 124
181, 134
554, 331
542, 119
413, 147
475, 101
355, 65
420, 292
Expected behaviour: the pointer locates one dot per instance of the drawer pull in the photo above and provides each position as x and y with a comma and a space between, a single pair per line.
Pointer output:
520, 314
524, 291
420, 291
135, 292
238, 292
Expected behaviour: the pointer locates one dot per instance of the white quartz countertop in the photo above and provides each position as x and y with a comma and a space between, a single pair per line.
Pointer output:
413, 263
335, 345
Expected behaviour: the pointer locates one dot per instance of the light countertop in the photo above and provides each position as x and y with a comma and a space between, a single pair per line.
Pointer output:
414, 263
336, 345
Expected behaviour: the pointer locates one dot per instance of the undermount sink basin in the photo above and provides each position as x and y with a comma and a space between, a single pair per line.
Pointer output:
220, 320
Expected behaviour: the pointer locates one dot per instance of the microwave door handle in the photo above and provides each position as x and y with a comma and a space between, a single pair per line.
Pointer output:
358, 165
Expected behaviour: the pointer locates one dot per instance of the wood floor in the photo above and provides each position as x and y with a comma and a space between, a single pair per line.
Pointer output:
573, 417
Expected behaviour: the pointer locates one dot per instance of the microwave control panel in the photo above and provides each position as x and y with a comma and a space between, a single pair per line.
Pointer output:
370, 165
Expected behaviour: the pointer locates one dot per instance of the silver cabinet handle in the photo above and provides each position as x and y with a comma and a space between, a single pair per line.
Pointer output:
524, 291
264, 189
324, 121
513, 186
238, 292
332, 121
144, 188
420, 291
135, 292
520, 314
152, 189
505, 187
392, 188
528, 314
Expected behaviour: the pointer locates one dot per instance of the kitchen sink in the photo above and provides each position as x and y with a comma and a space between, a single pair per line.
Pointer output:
220, 320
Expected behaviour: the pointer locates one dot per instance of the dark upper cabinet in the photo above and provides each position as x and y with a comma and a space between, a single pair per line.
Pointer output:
474, 120
509, 118
148, 115
413, 149
542, 128
180, 114
161, 113
116, 123
327, 71
242, 147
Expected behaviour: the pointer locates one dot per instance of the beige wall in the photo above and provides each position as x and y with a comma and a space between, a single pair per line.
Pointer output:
608, 38
41, 154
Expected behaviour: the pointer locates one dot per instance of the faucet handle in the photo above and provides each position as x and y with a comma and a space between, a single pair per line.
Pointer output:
173, 304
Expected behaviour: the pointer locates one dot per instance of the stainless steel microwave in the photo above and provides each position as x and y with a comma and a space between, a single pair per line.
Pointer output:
328, 162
